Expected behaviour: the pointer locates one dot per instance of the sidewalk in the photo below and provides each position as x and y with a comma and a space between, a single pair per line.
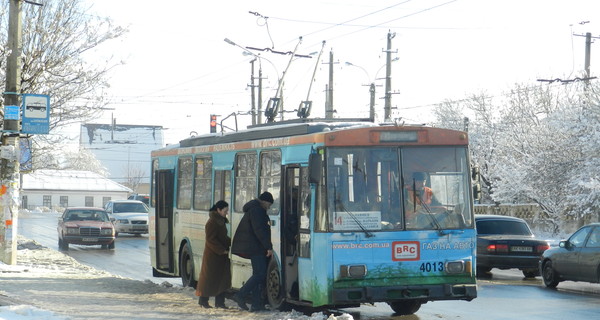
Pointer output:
50, 280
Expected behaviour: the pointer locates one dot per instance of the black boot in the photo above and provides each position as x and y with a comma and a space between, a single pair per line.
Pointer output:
203, 302
220, 301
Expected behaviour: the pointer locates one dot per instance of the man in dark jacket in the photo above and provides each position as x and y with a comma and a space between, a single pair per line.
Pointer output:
252, 241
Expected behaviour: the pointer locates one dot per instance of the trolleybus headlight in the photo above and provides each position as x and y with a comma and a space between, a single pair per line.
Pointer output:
353, 271
455, 267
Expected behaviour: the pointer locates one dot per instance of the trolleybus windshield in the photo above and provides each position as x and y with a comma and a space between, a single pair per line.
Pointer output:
414, 188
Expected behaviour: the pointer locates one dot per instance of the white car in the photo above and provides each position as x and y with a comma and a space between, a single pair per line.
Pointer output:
128, 216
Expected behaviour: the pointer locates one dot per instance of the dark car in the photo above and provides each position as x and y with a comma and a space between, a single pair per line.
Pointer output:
141, 197
575, 259
85, 226
505, 242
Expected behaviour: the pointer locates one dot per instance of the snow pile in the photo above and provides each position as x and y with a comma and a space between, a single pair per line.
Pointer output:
47, 284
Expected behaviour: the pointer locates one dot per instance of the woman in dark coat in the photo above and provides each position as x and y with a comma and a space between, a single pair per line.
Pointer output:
215, 276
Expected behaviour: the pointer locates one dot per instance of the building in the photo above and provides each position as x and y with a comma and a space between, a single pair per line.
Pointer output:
57, 189
124, 150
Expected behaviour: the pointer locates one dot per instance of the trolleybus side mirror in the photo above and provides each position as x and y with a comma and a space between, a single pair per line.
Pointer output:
476, 178
315, 168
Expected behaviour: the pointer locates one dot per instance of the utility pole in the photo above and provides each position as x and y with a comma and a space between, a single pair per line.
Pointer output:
260, 77
329, 100
252, 96
588, 50
372, 102
388, 79
9, 163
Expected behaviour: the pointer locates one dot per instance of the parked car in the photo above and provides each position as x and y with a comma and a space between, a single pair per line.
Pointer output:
128, 216
145, 198
575, 259
85, 226
505, 242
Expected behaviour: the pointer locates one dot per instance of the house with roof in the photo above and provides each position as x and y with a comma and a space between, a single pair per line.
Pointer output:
58, 189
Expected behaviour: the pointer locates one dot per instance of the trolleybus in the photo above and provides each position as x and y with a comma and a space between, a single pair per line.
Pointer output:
348, 225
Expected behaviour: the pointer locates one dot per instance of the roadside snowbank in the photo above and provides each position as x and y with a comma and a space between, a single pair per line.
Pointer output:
46, 284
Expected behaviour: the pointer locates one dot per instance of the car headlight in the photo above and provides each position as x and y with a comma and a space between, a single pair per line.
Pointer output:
125, 221
106, 232
72, 230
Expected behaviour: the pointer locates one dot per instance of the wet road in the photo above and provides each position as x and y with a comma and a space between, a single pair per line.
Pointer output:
503, 295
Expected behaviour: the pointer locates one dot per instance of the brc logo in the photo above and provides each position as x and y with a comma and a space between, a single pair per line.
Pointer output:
405, 251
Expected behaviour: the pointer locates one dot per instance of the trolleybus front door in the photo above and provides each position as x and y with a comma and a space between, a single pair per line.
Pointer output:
164, 220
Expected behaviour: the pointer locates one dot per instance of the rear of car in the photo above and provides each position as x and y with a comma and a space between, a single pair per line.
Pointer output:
505, 242
128, 216
85, 226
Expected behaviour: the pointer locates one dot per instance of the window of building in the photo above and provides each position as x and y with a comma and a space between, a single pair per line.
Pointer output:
89, 201
47, 201
64, 201
105, 200
24, 204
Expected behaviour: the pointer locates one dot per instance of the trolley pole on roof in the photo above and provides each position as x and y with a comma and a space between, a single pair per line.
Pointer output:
9, 162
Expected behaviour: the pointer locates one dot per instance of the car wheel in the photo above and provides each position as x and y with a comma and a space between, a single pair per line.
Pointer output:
549, 275
275, 291
62, 245
483, 271
531, 273
186, 267
405, 307
111, 245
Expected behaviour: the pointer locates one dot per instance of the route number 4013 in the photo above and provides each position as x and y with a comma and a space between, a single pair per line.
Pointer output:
432, 267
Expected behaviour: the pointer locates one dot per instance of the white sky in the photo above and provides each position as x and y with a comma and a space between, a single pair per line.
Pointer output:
179, 70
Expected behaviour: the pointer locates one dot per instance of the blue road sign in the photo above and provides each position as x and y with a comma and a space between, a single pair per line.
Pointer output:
36, 114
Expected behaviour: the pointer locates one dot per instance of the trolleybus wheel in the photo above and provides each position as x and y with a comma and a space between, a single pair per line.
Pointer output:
275, 290
405, 307
186, 267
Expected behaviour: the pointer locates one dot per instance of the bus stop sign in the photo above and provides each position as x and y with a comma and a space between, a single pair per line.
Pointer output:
36, 114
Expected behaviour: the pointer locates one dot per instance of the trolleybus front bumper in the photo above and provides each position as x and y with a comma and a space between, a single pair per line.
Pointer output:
422, 292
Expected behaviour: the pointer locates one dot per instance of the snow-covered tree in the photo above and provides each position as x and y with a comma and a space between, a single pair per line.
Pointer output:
536, 144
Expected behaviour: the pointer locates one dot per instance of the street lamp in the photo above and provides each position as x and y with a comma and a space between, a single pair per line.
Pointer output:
371, 91
256, 116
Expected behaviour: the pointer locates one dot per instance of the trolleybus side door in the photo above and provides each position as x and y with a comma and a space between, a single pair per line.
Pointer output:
164, 220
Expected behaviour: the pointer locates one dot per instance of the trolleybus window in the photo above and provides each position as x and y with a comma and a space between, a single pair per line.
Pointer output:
203, 183
184, 183
245, 179
270, 176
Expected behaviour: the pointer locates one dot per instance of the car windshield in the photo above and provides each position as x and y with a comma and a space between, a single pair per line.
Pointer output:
503, 227
86, 215
129, 207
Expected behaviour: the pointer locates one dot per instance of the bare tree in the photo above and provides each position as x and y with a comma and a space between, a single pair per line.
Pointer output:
61, 57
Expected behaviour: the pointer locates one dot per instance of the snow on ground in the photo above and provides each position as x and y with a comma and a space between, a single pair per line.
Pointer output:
49, 285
